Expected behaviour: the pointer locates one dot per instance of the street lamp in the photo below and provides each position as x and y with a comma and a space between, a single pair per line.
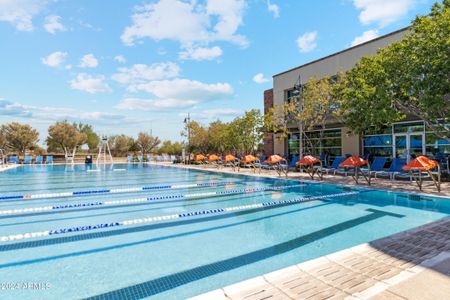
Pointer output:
297, 93
187, 121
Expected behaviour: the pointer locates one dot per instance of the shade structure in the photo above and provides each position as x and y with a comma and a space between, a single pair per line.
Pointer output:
273, 159
353, 162
229, 158
213, 157
421, 163
248, 159
308, 160
200, 157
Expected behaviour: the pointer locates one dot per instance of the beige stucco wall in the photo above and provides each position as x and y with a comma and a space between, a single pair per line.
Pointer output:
327, 66
350, 142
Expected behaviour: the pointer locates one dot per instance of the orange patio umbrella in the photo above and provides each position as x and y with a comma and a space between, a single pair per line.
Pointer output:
213, 157
248, 159
421, 163
353, 162
229, 158
273, 159
199, 157
307, 160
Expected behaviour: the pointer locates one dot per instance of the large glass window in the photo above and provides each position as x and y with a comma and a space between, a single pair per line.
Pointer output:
416, 126
378, 145
436, 145
317, 142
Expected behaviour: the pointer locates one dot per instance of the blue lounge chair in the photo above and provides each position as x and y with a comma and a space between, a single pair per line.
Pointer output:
140, 158
293, 162
39, 159
28, 159
324, 159
396, 167
173, 158
49, 159
130, 158
13, 159
159, 158
149, 157
376, 166
334, 166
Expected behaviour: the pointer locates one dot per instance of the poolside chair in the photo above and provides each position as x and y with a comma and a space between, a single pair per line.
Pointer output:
140, 158
200, 159
214, 161
28, 159
293, 163
149, 157
249, 161
39, 159
311, 165
130, 158
13, 159
231, 161
173, 158
49, 159
334, 166
376, 166
396, 167
324, 159
277, 163
355, 163
421, 167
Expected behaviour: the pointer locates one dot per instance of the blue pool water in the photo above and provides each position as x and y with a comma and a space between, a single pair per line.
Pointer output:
223, 228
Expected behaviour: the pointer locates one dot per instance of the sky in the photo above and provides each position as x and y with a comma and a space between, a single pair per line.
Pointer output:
132, 66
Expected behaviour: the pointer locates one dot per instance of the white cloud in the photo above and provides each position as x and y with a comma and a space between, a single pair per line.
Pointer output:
120, 59
187, 22
274, 9
307, 42
383, 12
211, 114
8, 108
20, 13
55, 59
201, 53
366, 36
154, 104
141, 73
52, 24
90, 84
88, 61
259, 78
184, 89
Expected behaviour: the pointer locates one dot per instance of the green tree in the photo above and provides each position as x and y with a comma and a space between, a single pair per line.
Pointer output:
247, 132
120, 144
216, 138
147, 142
198, 138
408, 78
66, 137
92, 139
19, 137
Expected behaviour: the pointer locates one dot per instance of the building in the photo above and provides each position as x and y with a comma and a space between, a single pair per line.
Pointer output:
402, 139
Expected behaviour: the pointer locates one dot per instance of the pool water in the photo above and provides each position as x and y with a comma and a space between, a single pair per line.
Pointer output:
145, 231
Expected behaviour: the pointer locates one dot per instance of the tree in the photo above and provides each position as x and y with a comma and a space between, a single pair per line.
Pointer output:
92, 139
170, 148
217, 141
198, 139
66, 137
408, 78
19, 137
120, 144
147, 142
247, 131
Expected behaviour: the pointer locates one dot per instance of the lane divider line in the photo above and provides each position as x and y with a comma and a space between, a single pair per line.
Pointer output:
47, 233
121, 190
19, 211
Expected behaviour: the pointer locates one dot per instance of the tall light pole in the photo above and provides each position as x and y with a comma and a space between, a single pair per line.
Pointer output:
298, 90
187, 121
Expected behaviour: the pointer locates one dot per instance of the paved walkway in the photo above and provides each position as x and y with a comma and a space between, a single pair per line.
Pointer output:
411, 265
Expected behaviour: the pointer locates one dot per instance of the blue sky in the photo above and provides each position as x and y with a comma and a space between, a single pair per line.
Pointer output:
130, 66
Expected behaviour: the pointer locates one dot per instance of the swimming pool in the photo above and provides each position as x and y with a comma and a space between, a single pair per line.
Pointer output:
135, 231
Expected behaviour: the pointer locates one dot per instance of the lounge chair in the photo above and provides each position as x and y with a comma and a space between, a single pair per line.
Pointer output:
249, 161
231, 161
214, 160
376, 166
293, 163
355, 163
200, 159
395, 168
277, 163
49, 159
39, 159
130, 158
421, 167
140, 158
324, 159
28, 159
149, 157
13, 159
173, 158
311, 165
334, 166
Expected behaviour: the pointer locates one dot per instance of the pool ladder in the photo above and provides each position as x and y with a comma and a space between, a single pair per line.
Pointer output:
3, 157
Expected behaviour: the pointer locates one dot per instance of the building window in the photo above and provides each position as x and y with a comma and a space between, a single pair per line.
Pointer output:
313, 144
